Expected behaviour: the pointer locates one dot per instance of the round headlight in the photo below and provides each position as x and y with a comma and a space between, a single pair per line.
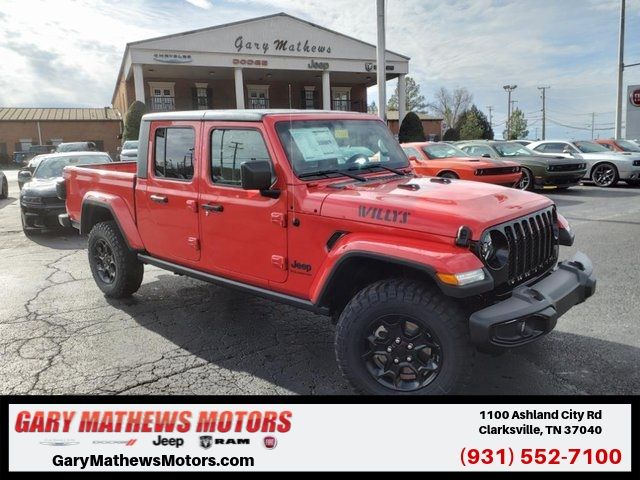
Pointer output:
494, 249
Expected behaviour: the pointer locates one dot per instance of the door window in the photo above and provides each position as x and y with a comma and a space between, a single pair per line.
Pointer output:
551, 147
174, 149
477, 150
230, 149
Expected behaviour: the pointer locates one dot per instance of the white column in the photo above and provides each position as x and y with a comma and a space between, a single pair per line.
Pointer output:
402, 98
326, 90
138, 82
381, 72
237, 75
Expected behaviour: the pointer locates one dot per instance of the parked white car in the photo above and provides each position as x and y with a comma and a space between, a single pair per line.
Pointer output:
129, 151
604, 167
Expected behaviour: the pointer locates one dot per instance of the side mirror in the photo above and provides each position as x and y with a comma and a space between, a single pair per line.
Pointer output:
256, 175
413, 158
25, 174
486, 155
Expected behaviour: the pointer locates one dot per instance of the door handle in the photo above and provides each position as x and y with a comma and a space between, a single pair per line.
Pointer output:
207, 207
159, 198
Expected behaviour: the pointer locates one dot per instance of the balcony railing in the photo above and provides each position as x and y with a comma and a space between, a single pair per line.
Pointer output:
162, 104
346, 105
258, 103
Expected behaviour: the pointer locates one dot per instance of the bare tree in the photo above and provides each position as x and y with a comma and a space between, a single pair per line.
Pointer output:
451, 105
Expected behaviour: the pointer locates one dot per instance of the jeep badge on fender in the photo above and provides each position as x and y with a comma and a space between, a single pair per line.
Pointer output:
322, 211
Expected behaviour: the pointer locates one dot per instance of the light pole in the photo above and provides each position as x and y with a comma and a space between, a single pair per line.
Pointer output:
544, 110
618, 124
509, 89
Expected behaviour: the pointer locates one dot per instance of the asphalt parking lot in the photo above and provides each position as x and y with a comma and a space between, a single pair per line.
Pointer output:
58, 334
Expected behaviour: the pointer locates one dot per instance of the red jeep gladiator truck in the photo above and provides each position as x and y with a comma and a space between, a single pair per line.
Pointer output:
321, 210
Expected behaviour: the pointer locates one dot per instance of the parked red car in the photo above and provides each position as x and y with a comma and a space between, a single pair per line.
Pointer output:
320, 210
622, 146
440, 159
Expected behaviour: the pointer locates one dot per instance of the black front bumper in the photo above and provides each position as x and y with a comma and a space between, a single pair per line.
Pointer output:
42, 216
533, 310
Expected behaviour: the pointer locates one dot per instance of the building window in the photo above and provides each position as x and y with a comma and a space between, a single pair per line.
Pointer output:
162, 96
201, 100
232, 148
341, 98
309, 96
173, 153
25, 143
258, 96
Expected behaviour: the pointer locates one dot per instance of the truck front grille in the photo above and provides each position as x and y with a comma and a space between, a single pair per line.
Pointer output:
533, 245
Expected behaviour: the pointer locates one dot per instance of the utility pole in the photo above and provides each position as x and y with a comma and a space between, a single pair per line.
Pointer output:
544, 111
490, 108
620, 71
593, 124
509, 89
382, 64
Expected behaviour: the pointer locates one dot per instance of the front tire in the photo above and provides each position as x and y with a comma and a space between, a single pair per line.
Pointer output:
115, 269
400, 337
605, 175
449, 175
527, 181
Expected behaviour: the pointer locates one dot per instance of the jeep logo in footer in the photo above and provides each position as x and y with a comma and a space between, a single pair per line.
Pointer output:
384, 214
170, 442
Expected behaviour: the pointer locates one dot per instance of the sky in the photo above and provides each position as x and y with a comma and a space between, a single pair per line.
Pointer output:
67, 52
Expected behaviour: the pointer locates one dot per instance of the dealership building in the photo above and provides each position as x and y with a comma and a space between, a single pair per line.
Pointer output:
277, 61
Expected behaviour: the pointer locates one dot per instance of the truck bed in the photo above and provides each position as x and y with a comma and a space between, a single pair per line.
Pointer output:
116, 179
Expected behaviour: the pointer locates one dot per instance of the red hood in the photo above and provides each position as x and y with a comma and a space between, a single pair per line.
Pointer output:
435, 207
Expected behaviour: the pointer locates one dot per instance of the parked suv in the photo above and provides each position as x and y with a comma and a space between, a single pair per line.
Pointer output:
605, 167
537, 171
320, 210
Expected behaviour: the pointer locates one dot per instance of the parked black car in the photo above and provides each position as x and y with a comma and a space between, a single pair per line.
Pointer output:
25, 173
39, 203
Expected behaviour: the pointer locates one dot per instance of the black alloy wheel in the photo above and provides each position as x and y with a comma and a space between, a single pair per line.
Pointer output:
401, 354
605, 175
104, 262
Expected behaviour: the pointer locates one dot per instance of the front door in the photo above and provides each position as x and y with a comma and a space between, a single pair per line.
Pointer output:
168, 218
244, 233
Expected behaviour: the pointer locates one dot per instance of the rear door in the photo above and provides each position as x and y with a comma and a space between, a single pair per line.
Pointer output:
244, 233
168, 218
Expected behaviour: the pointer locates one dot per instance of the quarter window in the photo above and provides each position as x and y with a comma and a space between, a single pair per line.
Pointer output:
411, 152
230, 149
174, 149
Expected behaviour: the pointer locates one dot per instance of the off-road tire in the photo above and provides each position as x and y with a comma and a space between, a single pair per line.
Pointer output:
421, 302
128, 269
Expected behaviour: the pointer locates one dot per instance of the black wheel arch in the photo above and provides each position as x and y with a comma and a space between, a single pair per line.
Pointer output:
94, 212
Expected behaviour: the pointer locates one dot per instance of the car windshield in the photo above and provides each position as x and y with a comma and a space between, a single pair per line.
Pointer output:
628, 146
130, 145
512, 150
52, 167
442, 150
320, 147
590, 147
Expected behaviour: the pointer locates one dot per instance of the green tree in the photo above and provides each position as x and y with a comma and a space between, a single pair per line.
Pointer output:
451, 135
411, 129
132, 120
487, 131
517, 126
415, 102
470, 127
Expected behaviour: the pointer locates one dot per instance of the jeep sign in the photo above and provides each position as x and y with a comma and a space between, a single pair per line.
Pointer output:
632, 130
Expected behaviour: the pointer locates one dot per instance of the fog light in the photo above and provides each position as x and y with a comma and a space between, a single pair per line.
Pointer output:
464, 278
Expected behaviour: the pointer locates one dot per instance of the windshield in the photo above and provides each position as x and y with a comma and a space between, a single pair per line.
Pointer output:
130, 145
628, 146
590, 147
512, 150
52, 167
321, 146
442, 150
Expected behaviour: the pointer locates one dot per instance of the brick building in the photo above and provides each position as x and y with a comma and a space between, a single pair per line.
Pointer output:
277, 61
22, 127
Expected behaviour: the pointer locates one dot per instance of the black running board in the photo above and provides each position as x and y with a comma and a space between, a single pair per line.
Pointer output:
225, 282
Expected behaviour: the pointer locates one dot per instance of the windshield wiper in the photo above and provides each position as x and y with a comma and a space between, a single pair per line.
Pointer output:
331, 172
384, 167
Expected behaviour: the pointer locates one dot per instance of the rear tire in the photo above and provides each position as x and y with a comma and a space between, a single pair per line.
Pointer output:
605, 175
450, 175
402, 337
4, 191
115, 268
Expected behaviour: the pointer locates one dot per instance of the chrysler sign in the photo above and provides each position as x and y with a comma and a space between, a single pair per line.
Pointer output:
634, 97
632, 129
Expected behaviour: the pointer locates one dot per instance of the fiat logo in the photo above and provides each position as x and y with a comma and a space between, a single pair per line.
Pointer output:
270, 442
634, 98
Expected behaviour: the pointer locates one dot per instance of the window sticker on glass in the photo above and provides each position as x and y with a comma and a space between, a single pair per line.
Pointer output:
316, 143
341, 133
